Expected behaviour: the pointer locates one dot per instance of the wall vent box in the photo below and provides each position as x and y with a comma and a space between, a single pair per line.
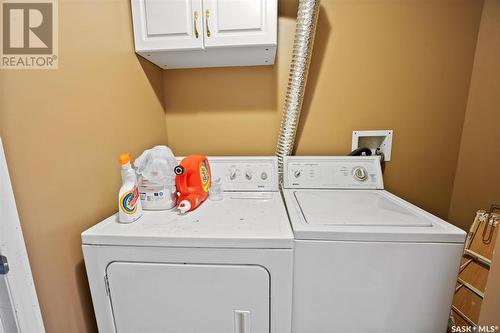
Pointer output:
374, 139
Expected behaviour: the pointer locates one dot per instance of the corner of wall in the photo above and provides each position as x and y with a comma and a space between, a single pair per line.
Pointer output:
473, 65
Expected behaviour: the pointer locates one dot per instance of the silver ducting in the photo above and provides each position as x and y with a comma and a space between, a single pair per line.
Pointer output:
307, 16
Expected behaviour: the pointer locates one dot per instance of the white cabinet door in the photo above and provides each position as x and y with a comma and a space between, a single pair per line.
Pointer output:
167, 24
209, 298
239, 22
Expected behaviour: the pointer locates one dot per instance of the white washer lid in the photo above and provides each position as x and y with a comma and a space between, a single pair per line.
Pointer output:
387, 219
356, 208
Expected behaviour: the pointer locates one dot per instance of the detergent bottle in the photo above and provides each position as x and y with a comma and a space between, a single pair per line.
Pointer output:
192, 181
129, 203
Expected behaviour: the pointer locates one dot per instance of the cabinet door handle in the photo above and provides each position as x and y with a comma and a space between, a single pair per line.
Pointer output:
207, 15
196, 34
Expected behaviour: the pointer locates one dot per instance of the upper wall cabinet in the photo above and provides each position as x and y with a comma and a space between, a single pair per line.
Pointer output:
206, 33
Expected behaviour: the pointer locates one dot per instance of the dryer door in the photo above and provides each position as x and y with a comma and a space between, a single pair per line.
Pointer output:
161, 297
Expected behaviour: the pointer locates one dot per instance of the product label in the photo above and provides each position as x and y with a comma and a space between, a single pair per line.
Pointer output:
205, 176
152, 196
128, 201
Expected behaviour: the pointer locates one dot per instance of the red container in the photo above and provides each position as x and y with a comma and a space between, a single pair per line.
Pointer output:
192, 181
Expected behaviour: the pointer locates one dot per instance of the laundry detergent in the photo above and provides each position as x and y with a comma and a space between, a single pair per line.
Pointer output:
192, 181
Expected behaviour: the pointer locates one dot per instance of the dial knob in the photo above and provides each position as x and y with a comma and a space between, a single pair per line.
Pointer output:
360, 174
248, 174
232, 174
296, 173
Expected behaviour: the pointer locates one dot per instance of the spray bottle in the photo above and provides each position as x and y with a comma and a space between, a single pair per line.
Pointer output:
129, 204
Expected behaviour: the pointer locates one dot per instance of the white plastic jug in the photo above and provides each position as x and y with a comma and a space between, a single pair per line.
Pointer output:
157, 178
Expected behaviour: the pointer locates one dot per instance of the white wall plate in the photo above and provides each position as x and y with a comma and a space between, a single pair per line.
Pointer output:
374, 139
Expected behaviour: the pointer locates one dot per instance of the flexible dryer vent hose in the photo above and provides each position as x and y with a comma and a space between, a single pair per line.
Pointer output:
307, 16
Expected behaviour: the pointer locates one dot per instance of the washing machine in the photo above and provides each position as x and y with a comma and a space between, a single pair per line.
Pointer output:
365, 260
224, 267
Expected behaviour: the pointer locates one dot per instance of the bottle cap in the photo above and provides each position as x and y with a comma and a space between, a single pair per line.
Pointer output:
184, 206
124, 158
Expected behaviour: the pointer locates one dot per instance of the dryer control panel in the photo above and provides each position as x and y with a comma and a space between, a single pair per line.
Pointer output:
334, 172
245, 173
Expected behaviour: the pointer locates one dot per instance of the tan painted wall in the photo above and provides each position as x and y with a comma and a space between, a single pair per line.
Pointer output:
63, 131
477, 182
401, 65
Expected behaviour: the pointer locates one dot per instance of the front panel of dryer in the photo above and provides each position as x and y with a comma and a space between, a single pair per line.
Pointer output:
162, 297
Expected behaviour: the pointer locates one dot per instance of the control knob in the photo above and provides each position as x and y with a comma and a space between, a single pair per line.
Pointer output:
360, 174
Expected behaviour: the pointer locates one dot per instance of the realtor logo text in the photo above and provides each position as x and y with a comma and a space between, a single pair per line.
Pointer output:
29, 34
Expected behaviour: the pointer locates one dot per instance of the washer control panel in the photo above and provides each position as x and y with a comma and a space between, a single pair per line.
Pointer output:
245, 173
355, 172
